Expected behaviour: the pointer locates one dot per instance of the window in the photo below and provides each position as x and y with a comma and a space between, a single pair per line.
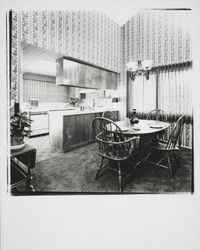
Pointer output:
168, 88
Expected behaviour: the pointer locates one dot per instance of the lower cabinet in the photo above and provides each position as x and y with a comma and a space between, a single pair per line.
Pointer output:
69, 131
77, 130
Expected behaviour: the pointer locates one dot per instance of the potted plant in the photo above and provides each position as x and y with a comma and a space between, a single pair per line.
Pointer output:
19, 127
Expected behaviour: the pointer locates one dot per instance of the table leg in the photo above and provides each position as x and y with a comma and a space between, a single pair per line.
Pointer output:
29, 187
144, 139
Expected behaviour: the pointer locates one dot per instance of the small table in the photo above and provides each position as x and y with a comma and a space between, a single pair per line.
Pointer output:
20, 159
146, 129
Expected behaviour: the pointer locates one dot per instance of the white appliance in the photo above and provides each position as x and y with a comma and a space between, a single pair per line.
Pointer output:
40, 122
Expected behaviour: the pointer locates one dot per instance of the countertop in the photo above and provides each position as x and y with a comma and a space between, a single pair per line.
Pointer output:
67, 110
78, 112
35, 109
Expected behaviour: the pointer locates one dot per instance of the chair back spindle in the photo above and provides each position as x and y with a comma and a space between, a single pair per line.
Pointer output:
111, 140
175, 136
157, 114
110, 115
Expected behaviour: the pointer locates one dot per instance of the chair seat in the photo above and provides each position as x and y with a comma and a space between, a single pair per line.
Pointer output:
161, 145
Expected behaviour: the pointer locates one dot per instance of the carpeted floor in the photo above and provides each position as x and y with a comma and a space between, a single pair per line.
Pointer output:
74, 172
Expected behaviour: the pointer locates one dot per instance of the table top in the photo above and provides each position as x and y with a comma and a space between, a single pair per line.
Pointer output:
143, 127
26, 149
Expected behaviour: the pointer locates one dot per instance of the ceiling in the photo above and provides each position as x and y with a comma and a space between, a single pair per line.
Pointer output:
119, 10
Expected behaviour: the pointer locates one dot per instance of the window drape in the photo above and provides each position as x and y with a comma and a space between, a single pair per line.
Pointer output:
175, 90
169, 88
172, 92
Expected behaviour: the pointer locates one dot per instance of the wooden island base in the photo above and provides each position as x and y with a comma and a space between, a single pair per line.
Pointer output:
72, 129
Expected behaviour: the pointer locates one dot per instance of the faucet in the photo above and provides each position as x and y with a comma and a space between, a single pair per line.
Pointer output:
93, 105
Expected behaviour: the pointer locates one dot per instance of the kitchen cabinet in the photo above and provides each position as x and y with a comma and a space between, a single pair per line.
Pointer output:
76, 74
78, 130
68, 131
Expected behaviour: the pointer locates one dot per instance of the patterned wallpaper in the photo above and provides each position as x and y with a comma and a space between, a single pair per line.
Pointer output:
162, 36
93, 37
87, 35
14, 70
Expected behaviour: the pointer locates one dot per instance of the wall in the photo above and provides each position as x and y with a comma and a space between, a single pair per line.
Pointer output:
43, 88
87, 35
14, 57
159, 35
162, 36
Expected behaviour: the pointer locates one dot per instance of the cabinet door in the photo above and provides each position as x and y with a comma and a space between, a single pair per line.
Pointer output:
77, 130
70, 73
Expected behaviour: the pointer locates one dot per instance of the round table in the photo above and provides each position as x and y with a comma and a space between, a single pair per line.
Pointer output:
146, 129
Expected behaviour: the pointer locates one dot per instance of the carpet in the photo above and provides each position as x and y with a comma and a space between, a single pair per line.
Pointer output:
74, 172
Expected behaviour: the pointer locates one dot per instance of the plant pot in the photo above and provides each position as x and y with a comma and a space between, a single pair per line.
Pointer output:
17, 142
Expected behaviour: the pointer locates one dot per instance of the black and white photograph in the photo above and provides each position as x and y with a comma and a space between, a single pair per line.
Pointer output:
98, 106
100, 122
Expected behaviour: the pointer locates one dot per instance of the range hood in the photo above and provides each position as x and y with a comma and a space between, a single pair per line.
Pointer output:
79, 74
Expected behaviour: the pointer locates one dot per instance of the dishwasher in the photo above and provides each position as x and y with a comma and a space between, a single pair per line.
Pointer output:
40, 122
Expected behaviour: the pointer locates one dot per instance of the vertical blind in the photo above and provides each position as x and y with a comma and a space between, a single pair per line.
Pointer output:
172, 92
169, 88
43, 88
175, 90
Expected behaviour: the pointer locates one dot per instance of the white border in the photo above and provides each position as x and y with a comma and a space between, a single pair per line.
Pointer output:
100, 222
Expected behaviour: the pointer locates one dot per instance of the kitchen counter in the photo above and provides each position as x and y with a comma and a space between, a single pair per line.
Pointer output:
73, 128
64, 112
45, 109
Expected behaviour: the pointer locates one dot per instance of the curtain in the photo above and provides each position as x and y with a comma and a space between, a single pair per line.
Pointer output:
175, 90
171, 93
170, 89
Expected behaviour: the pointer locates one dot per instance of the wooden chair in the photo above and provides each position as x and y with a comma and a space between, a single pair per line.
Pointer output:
157, 114
164, 148
110, 115
113, 145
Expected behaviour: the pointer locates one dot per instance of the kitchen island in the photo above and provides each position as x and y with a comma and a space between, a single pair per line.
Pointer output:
72, 128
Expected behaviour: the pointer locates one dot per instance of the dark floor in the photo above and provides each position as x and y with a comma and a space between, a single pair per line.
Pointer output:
74, 172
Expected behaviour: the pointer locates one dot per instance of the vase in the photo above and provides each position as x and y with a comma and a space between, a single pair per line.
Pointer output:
17, 142
134, 119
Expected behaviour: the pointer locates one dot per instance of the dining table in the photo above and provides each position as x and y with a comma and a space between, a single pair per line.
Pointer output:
147, 130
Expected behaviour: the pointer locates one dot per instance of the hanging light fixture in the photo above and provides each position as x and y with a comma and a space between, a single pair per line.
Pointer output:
138, 68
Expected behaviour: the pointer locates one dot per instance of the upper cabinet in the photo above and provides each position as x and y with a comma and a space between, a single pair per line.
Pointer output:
76, 74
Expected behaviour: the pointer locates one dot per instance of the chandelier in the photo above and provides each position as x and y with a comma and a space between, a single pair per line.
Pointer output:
139, 68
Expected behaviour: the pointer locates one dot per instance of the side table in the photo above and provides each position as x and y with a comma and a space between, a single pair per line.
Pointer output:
20, 160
